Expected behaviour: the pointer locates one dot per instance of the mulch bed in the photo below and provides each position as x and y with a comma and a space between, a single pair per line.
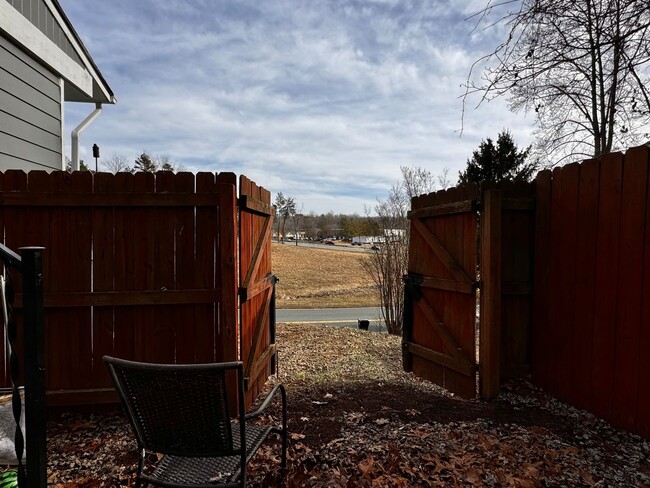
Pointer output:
356, 419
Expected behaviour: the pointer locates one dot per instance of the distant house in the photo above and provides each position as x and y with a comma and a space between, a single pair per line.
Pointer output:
43, 64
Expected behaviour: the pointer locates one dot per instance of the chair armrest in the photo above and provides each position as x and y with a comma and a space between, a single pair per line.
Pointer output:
267, 400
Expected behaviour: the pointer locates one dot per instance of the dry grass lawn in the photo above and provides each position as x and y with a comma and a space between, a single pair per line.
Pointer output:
321, 278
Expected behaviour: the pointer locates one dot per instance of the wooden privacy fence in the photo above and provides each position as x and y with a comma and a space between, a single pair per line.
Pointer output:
141, 266
591, 333
563, 273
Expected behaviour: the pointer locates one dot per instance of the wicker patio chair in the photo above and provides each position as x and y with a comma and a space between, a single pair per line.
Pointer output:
180, 417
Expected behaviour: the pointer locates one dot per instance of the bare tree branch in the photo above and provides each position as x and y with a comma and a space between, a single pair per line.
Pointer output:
583, 67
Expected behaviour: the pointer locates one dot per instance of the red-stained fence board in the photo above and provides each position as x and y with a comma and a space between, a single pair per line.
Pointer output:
585, 266
607, 258
643, 386
627, 361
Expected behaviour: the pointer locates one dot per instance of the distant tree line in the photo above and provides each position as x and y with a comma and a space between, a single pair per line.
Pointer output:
119, 163
289, 221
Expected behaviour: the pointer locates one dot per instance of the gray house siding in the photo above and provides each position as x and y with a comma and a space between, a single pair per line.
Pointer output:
30, 112
38, 14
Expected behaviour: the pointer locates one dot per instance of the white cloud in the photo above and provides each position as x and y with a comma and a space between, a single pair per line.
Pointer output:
322, 100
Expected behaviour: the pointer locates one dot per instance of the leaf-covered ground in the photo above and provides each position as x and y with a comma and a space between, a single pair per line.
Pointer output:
355, 419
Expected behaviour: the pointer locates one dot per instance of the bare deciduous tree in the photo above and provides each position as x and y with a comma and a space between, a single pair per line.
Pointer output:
285, 207
309, 225
297, 220
581, 66
327, 225
389, 263
117, 163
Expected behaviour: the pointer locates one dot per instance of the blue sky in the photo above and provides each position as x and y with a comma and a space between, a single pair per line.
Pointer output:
321, 100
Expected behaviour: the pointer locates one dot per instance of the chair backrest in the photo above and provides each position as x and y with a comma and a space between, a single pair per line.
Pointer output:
177, 409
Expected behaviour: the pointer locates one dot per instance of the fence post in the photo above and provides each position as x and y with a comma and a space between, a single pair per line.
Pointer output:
490, 325
229, 313
228, 332
34, 365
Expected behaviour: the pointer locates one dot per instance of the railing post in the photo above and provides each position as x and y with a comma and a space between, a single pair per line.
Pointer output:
34, 366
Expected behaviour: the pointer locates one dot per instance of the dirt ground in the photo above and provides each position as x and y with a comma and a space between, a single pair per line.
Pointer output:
355, 419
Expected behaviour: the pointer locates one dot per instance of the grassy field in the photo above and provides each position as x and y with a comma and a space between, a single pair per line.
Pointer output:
321, 278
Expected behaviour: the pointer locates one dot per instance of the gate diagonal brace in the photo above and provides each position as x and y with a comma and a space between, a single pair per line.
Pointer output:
463, 362
443, 254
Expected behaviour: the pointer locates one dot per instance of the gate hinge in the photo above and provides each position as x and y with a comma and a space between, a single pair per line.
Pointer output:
412, 285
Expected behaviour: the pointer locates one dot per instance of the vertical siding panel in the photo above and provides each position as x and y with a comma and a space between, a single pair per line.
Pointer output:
630, 280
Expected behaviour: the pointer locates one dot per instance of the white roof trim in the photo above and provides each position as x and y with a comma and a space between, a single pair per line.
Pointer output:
28, 35
89, 65
31, 38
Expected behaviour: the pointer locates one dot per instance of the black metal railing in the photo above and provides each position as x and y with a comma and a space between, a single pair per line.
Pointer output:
30, 265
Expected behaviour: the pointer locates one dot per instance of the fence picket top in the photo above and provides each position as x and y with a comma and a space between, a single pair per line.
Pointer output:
16, 180
227, 178
467, 191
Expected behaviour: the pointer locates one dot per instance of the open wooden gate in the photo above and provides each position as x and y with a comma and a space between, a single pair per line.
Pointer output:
440, 298
257, 283
454, 233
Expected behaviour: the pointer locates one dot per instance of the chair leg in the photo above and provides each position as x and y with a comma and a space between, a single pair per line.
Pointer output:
138, 480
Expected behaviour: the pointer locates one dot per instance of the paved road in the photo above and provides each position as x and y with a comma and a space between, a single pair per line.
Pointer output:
336, 247
342, 317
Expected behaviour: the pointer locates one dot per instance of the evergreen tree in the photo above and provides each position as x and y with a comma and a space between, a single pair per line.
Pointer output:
145, 163
495, 163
